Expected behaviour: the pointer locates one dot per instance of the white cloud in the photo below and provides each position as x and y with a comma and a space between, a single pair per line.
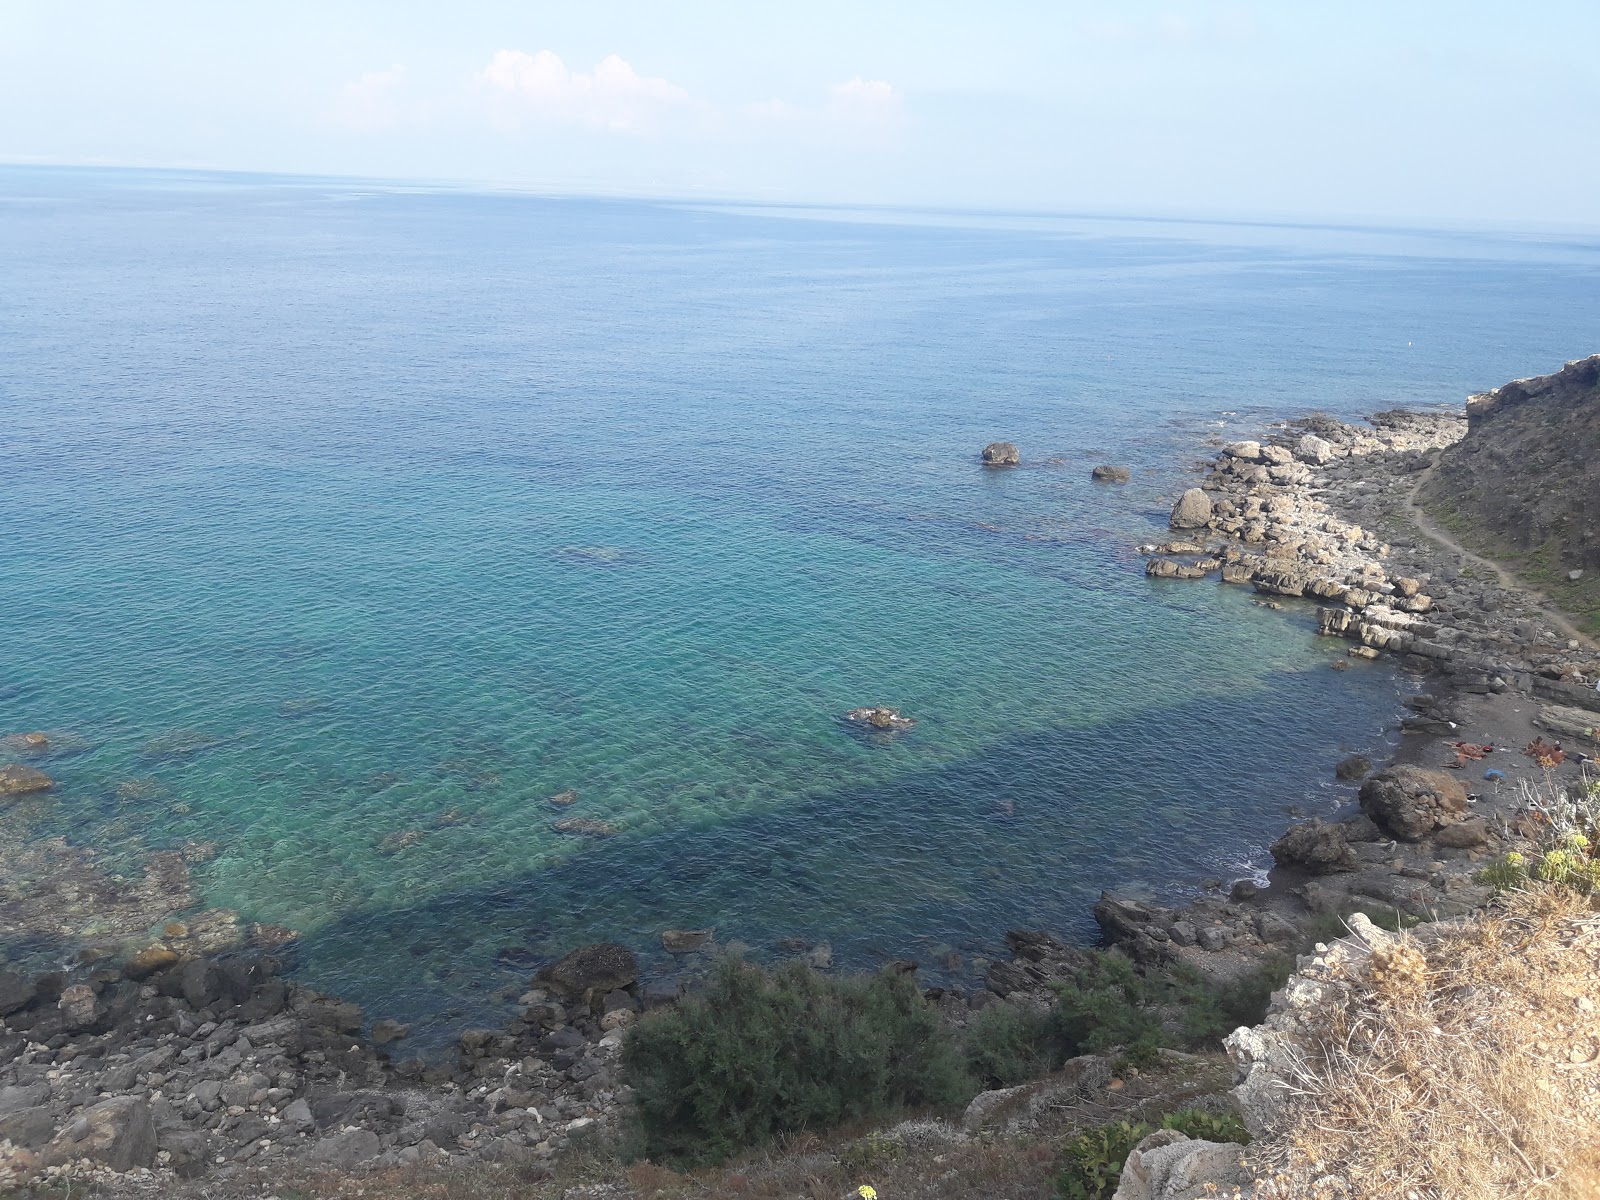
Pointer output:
613, 96
374, 101
867, 101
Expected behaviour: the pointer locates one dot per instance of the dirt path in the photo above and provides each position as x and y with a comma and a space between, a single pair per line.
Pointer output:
1434, 533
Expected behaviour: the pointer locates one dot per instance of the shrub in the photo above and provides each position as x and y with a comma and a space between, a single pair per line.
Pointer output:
762, 1054
1094, 1160
1106, 1003
1206, 1126
1004, 1046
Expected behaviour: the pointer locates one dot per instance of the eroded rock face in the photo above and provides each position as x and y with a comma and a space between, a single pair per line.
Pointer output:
1409, 802
601, 967
1192, 511
1001, 454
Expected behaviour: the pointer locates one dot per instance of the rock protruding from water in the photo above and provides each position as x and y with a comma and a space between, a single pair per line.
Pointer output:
601, 967
1192, 511
879, 717
1315, 846
1107, 473
684, 941
18, 780
1001, 454
1409, 802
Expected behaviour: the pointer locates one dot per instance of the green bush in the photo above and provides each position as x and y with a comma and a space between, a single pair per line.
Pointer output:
1212, 1011
1206, 1126
1106, 1003
1093, 1161
1004, 1045
761, 1054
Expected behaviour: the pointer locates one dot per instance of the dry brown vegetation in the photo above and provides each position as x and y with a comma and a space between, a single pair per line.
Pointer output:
1466, 1065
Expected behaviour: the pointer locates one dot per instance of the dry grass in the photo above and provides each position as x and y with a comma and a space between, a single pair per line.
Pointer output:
1464, 1067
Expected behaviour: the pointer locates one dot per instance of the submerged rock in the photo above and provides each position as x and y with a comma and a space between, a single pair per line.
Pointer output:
879, 717
684, 941
585, 827
1001, 454
1106, 473
562, 799
599, 967
18, 780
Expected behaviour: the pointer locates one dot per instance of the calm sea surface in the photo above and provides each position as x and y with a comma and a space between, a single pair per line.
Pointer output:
350, 524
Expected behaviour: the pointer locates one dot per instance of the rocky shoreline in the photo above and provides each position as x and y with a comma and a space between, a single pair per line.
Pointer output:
197, 1057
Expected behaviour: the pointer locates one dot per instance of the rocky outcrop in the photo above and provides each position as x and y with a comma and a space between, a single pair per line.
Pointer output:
1527, 475
1001, 454
1409, 802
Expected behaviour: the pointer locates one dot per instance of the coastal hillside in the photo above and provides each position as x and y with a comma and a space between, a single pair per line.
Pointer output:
1524, 484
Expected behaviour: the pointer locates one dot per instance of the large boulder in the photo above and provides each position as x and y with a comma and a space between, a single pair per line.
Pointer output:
601, 967
1316, 847
1107, 473
119, 1134
1001, 454
1192, 511
18, 780
1314, 450
1168, 1165
1409, 802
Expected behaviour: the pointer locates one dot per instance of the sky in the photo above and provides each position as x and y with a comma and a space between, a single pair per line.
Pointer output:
1405, 110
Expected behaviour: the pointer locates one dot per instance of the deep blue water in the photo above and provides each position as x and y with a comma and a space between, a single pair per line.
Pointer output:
348, 524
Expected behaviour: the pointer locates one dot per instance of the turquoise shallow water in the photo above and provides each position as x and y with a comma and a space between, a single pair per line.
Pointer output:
348, 525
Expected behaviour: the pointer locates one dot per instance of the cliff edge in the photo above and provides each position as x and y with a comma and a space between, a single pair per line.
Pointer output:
1524, 483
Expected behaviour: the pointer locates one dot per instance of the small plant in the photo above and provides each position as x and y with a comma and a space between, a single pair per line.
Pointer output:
871, 1152
1571, 864
1506, 873
1206, 1126
1094, 1160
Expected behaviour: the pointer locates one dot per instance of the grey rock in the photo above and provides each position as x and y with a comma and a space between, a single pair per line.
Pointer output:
1316, 847
15, 1098
386, 1031
1001, 454
120, 1133
351, 1148
28, 1127
1192, 511
1107, 473
297, 1116
602, 967
1167, 1165
1357, 766
16, 992
1409, 802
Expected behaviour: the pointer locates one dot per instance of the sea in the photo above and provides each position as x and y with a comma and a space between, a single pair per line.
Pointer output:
345, 524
